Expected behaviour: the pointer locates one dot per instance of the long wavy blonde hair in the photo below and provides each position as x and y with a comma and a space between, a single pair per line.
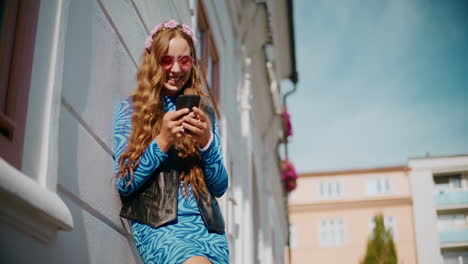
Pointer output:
149, 110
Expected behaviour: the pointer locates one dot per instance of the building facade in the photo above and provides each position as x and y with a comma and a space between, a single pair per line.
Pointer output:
331, 214
440, 195
66, 65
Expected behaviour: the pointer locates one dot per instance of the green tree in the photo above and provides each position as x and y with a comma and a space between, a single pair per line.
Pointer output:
380, 246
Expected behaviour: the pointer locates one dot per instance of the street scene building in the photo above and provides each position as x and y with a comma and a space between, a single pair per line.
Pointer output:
424, 204
440, 201
71, 62
332, 214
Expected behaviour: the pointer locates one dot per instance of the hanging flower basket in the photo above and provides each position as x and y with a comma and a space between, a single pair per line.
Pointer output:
287, 123
289, 175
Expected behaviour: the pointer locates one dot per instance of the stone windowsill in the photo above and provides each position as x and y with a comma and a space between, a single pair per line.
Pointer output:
30, 207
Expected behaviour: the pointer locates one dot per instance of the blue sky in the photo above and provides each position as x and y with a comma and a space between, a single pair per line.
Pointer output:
379, 82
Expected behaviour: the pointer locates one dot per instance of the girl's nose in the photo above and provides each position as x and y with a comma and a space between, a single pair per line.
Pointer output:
176, 67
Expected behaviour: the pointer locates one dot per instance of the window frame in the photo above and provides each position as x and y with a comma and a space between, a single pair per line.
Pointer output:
336, 187
17, 45
210, 76
292, 236
383, 183
32, 189
332, 232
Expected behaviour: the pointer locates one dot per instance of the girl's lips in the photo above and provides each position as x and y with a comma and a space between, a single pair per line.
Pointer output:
173, 81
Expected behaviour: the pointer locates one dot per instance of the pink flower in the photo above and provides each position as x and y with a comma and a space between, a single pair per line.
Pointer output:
289, 172
291, 185
168, 24
290, 175
156, 29
149, 39
287, 122
149, 42
171, 24
189, 32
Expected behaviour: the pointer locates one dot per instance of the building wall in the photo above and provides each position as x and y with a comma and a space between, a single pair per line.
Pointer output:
352, 187
425, 217
357, 230
85, 64
356, 209
423, 172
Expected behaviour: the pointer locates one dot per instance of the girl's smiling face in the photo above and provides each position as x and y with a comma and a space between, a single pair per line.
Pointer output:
177, 75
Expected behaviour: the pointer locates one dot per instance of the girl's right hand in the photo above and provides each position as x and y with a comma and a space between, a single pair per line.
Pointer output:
171, 129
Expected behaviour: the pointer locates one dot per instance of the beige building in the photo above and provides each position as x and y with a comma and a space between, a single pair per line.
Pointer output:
331, 214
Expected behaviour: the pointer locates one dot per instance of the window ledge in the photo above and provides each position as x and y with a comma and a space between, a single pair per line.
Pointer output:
31, 207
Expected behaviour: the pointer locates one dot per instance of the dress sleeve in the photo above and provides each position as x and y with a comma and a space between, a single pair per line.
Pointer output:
150, 160
213, 165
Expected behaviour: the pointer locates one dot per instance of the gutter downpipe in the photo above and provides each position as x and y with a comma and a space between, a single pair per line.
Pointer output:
294, 78
294, 75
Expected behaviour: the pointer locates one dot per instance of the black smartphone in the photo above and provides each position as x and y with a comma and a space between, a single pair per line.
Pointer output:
187, 101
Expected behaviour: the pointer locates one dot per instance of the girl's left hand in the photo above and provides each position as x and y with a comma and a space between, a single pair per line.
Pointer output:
196, 125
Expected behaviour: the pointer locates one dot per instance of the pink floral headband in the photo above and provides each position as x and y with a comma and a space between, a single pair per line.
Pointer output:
165, 25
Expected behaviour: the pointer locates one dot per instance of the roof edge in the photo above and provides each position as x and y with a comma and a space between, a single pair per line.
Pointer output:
355, 171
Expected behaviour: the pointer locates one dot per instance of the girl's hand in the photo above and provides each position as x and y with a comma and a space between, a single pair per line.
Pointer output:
171, 129
196, 125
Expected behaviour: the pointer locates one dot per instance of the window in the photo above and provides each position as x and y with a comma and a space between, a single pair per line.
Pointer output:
457, 256
292, 236
18, 22
378, 186
448, 183
332, 232
441, 185
207, 54
389, 223
330, 189
452, 221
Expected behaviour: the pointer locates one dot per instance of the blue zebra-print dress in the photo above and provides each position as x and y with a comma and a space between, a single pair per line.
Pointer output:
188, 236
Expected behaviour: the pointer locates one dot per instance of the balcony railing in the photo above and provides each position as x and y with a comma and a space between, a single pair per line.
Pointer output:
451, 198
458, 235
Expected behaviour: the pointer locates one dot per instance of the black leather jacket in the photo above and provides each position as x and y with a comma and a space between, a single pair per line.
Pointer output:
155, 203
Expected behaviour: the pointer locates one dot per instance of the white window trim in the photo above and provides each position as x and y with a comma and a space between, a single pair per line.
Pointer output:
292, 236
30, 202
326, 184
383, 179
319, 233
324, 244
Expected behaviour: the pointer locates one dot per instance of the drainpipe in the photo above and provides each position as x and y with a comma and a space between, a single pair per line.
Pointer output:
292, 53
294, 78
286, 157
285, 97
